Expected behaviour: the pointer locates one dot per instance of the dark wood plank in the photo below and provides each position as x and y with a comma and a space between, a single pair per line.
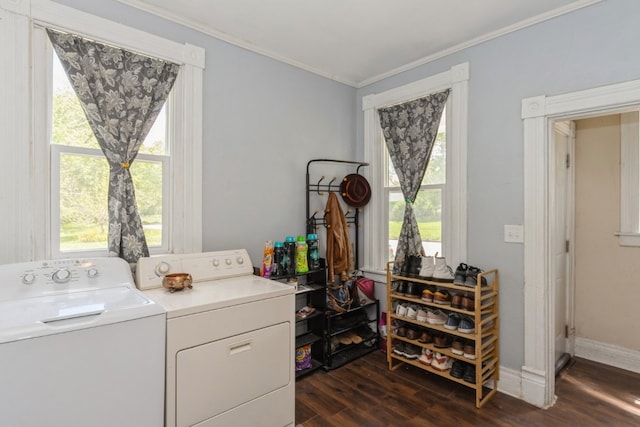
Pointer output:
365, 393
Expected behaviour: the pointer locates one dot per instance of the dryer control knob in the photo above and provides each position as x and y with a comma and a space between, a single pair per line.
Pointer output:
28, 278
240, 260
227, 261
215, 262
92, 273
61, 276
162, 268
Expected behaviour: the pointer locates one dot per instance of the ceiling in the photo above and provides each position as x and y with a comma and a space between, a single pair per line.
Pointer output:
357, 42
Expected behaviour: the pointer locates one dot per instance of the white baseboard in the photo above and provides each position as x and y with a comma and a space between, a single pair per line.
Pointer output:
608, 354
510, 382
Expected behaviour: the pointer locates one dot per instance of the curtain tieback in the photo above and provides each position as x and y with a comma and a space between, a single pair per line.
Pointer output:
125, 165
408, 200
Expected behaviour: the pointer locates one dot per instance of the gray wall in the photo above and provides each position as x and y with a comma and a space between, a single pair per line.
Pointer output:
587, 48
263, 121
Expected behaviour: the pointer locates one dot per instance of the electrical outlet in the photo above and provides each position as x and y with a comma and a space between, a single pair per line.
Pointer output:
513, 234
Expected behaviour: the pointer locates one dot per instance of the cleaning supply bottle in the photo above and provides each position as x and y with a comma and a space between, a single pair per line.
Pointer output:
313, 257
301, 255
289, 260
278, 259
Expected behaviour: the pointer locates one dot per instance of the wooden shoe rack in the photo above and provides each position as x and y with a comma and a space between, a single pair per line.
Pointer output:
485, 337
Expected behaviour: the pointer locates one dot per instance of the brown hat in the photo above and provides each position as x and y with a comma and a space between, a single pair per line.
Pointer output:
355, 190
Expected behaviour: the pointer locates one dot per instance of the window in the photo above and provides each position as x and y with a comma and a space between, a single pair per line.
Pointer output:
428, 204
167, 172
441, 202
80, 176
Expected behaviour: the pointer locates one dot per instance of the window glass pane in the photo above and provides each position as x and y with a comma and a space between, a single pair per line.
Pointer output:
83, 202
436, 170
428, 210
147, 180
69, 125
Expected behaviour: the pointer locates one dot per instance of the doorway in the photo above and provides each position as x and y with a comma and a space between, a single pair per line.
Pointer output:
538, 114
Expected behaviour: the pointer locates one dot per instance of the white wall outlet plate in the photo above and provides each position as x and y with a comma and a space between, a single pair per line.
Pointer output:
514, 234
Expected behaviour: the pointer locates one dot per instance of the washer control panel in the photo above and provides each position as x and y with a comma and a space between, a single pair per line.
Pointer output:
202, 267
38, 278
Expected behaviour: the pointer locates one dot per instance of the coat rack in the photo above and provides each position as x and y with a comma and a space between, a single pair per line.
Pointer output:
323, 185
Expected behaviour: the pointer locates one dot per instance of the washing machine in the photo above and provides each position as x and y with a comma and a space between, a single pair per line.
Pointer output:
230, 341
79, 345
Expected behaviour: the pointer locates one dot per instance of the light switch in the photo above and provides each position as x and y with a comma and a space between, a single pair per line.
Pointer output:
513, 233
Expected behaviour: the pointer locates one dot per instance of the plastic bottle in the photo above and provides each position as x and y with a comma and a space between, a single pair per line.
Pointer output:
301, 255
289, 260
278, 259
313, 257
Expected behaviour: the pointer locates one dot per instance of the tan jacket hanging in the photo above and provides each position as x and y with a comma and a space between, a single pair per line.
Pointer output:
338, 243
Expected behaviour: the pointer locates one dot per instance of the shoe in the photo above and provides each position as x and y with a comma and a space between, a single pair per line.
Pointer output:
469, 350
413, 290
427, 294
400, 288
461, 274
426, 357
466, 326
426, 338
413, 334
401, 310
441, 362
452, 322
470, 374
442, 297
442, 341
442, 272
402, 331
412, 313
457, 369
456, 300
457, 346
472, 278
421, 316
426, 267
411, 351
413, 265
344, 339
355, 338
467, 303
398, 348
436, 317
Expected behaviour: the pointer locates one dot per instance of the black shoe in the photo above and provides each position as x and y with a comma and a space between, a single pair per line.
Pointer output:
457, 369
470, 374
472, 277
460, 275
414, 263
413, 290
401, 289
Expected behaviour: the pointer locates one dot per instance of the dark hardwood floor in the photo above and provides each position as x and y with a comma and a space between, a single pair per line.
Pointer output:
365, 393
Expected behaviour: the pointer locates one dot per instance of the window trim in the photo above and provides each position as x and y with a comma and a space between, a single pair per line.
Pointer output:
454, 227
29, 99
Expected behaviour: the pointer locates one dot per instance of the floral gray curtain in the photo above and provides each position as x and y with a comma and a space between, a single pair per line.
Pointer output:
410, 130
121, 93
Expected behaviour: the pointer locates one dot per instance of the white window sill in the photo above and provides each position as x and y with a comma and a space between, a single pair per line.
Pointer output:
626, 238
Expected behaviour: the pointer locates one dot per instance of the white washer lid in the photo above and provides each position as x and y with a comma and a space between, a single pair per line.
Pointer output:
46, 315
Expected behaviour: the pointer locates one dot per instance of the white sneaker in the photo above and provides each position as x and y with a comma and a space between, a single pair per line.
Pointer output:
441, 362
426, 357
442, 272
427, 267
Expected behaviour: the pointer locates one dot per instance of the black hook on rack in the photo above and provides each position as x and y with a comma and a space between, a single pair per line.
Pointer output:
331, 182
320, 193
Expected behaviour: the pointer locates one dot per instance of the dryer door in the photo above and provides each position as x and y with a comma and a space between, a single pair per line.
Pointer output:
218, 376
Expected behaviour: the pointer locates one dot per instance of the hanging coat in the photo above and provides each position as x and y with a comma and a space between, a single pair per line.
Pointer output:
338, 244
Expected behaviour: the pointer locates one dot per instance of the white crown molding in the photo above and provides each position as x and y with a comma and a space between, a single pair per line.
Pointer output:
138, 4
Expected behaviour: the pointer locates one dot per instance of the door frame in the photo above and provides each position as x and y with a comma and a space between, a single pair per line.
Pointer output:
566, 128
538, 114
